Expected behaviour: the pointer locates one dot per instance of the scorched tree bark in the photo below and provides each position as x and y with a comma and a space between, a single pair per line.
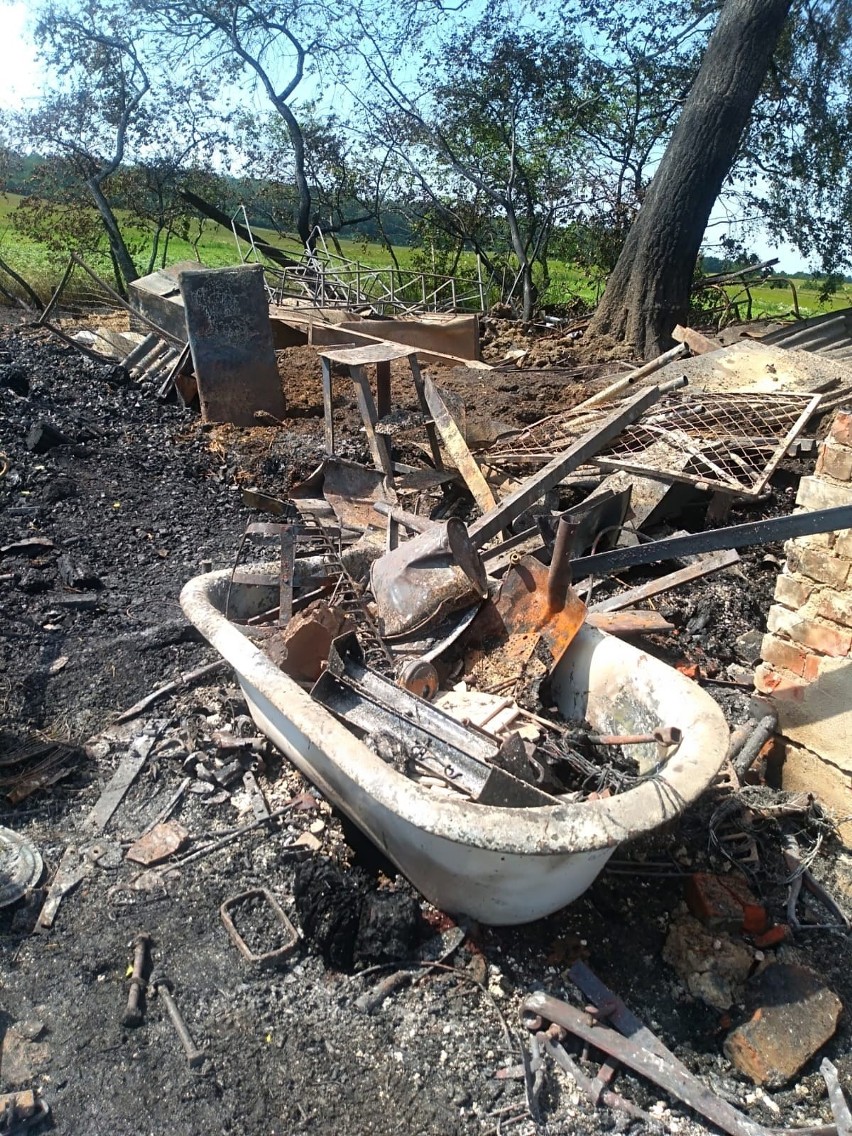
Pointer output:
648, 291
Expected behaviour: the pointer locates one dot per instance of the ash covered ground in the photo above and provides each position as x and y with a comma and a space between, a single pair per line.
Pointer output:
134, 501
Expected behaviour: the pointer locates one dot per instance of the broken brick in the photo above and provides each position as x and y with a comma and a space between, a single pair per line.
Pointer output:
822, 567
793, 592
814, 493
793, 1015
841, 428
835, 461
835, 607
767, 680
788, 656
157, 845
825, 638
725, 903
303, 646
775, 935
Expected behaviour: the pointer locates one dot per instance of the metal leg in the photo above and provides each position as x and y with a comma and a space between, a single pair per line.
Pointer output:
379, 445
326, 402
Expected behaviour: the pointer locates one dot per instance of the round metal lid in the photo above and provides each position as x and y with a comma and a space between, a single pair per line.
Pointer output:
20, 866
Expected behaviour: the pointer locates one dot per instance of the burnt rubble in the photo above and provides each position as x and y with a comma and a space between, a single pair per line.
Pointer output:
145, 807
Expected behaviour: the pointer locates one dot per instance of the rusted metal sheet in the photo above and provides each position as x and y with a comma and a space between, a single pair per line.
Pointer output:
829, 334
425, 579
227, 319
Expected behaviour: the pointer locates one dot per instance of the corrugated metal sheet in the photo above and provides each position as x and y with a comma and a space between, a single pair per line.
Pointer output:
830, 335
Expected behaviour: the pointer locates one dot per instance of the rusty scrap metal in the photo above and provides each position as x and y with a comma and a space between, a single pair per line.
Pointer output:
715, 540
495, 520
264, 958
162, 987
133, 1011
122, 779
713, 562
427, 578
463, 756
592, 1087
215, 845
839, 1107
285, 533
68, 875
182, 682
644, 1053
435, 950
536, 606
801, 875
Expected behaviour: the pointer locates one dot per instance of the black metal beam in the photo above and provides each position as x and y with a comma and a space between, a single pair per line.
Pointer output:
714, 540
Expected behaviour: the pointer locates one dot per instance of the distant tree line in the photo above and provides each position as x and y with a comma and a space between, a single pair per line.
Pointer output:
598, 133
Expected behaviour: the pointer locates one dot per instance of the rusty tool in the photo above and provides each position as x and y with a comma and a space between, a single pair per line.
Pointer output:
133, 1013
163, 987
535, 607
663, 735
657, 1064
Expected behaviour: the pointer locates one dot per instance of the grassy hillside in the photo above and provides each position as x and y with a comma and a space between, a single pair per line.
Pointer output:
42, 267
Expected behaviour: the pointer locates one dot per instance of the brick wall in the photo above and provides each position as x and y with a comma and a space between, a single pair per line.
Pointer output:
807, 652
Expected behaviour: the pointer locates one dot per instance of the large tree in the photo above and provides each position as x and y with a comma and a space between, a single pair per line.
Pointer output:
494, 113
87, 120
648, 291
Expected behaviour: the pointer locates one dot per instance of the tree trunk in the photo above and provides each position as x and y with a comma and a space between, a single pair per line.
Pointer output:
528, 290
648, 291
120, 254
297, 141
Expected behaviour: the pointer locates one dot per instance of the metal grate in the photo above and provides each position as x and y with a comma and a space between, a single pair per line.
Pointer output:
725, 441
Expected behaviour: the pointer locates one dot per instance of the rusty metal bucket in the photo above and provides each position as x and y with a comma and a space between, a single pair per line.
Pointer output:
423, 580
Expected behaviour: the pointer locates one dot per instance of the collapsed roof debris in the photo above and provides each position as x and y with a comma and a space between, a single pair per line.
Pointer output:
419, 628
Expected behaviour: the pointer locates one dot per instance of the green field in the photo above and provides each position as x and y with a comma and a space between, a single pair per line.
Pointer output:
43, 267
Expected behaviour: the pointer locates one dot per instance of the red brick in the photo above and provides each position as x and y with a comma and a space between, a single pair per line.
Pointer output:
793, 592
826, 638
724, 903
786, 656
835, 461
819, 566
775, 935
793, 1015
790, 688
841, 428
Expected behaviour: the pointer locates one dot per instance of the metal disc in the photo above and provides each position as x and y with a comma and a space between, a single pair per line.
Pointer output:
20, 866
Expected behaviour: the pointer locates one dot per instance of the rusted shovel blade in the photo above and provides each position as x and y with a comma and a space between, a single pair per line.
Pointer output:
524, 608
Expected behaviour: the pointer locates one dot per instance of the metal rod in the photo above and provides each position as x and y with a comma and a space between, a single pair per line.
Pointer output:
591, 443
735, 536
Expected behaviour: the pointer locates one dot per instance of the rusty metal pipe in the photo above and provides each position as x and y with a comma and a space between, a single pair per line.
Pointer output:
559, 576
408, 520
664, 735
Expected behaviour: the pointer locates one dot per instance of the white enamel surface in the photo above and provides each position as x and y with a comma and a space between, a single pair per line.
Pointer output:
500, 866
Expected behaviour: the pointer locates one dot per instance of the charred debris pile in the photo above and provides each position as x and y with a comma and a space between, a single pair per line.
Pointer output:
439, 598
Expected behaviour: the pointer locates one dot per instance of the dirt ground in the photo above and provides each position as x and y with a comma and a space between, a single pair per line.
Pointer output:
139, 498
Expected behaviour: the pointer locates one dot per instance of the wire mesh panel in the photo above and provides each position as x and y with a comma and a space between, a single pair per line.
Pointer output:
726, 441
